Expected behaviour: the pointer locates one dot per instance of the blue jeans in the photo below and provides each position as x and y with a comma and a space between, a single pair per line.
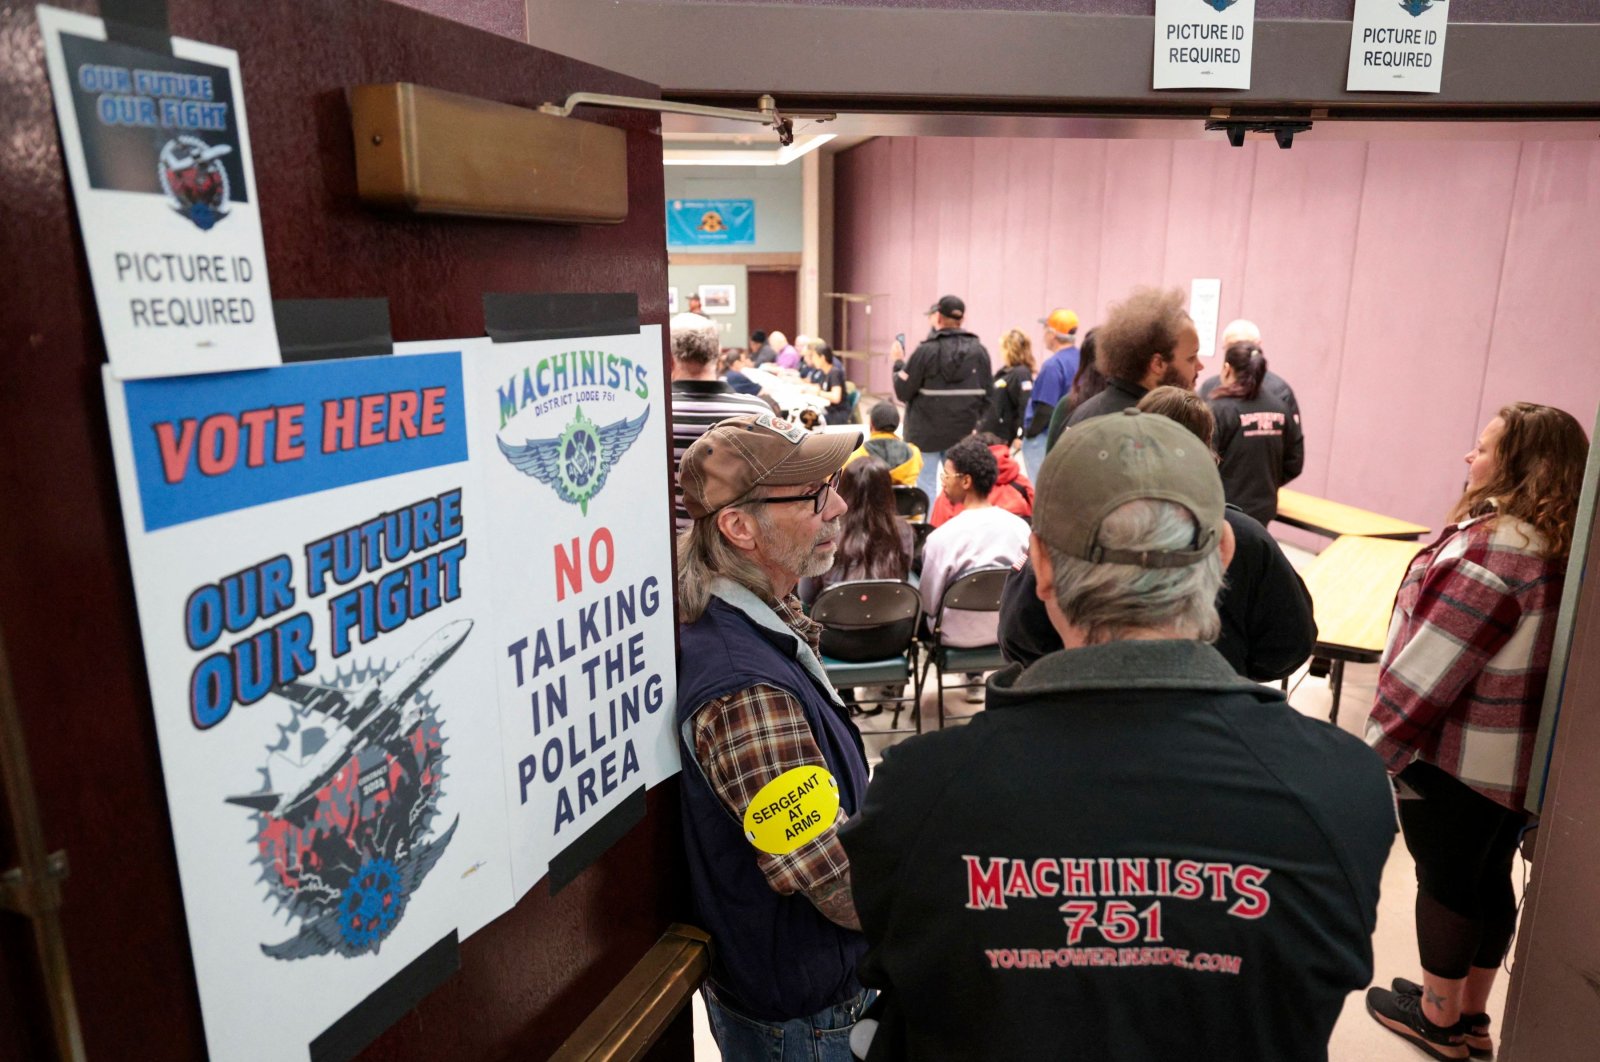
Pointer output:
822, 1037
928, 478
1033, 455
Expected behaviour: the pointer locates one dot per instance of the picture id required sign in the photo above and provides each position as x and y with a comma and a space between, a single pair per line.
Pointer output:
1397, 46
1204, 43
158, 153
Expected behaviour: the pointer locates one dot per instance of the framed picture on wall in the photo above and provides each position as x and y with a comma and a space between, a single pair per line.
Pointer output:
718, 298
672, 300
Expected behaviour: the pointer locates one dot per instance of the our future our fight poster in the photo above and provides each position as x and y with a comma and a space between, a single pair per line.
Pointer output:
311, 559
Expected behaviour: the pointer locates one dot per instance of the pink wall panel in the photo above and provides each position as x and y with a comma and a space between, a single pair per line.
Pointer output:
986, 286
1026, 232
1133, 235
948, 208
1428, 258
1542, 348
1406, 290
1304, 209
1074, 225
1208, 218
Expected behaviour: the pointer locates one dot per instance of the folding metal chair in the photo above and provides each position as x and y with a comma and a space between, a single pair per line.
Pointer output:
976, 591
911, 503
869, 639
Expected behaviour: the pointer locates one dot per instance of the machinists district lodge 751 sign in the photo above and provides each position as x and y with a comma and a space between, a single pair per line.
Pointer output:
159, 155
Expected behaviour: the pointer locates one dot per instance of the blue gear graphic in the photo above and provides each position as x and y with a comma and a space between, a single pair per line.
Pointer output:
371, 903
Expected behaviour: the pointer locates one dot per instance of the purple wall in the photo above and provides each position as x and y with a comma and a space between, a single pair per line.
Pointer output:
1407, 290
509, 18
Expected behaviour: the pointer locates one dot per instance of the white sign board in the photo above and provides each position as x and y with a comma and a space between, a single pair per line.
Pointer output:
1204, 43
1205, 296
571, 437
312, 567
409, 626
159, 156
1397, 45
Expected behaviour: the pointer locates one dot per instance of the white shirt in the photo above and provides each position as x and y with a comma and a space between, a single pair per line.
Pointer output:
969, 540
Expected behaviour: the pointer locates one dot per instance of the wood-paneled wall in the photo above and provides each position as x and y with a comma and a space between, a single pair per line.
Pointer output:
1406, 289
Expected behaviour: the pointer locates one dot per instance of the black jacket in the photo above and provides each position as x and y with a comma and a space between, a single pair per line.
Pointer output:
1271, 383
1132, 854
945, 387
1267, 626
1013, 388
1118, 395
1261, 448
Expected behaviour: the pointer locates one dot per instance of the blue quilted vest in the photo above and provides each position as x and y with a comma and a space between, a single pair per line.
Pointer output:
774, 957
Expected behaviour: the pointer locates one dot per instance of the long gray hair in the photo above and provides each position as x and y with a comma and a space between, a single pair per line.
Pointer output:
1108, 600
704, 555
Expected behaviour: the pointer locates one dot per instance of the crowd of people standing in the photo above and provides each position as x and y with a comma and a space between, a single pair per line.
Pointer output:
1137, 849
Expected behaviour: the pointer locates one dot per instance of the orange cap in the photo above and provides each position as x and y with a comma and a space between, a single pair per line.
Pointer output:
1061, 321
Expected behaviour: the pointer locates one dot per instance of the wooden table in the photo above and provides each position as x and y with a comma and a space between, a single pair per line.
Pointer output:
1352, 584
1333, 518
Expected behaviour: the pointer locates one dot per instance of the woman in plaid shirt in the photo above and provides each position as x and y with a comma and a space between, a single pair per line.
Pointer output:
1459, 693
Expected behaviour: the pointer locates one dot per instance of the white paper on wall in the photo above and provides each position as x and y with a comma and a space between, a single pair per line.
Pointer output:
158, 151
1203, 43
1205, 296
1397, 45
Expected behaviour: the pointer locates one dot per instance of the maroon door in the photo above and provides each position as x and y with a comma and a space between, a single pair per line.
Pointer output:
774, 304
66, 597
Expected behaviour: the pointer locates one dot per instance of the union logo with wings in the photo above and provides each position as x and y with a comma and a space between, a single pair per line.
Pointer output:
575, 463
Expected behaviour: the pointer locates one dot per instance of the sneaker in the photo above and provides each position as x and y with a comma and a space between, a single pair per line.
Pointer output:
1402, 1015
1474, 1027
974, 687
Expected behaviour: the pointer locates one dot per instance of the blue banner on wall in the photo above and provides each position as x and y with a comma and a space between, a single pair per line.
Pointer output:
205, 445
710, 222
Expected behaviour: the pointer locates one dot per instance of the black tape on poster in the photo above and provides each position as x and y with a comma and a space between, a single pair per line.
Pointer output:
523, 317
398, 996
140, 23
576, 857
324, 329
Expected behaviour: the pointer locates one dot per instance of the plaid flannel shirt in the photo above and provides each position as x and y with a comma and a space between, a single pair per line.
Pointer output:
1463, 673
745, 740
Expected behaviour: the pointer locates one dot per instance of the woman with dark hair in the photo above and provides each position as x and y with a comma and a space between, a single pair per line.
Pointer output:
1088, 382
874, 543
1258, 441
1460, 690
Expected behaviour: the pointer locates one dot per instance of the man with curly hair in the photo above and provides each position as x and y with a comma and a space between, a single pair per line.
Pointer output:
1147, 341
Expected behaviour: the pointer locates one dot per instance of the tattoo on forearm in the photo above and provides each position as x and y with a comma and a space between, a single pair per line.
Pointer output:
835, 902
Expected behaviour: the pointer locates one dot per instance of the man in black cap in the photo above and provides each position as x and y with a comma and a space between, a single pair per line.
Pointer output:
1134, 853
945, 387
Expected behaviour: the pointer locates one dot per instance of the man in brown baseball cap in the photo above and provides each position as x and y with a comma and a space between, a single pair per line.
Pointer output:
765, 738
1133, 852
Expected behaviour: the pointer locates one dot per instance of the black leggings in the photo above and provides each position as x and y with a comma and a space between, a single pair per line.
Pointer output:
1463, 843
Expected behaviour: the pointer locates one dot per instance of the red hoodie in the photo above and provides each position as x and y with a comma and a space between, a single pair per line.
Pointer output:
1012, 491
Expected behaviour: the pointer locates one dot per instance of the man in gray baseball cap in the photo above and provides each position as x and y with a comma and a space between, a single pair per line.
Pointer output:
1133, 852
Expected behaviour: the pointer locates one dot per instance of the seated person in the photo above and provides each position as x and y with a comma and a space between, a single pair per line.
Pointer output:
832, 385
1012, 490
1267, 626
903, 459
734, 364
979, 535
1134, 853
